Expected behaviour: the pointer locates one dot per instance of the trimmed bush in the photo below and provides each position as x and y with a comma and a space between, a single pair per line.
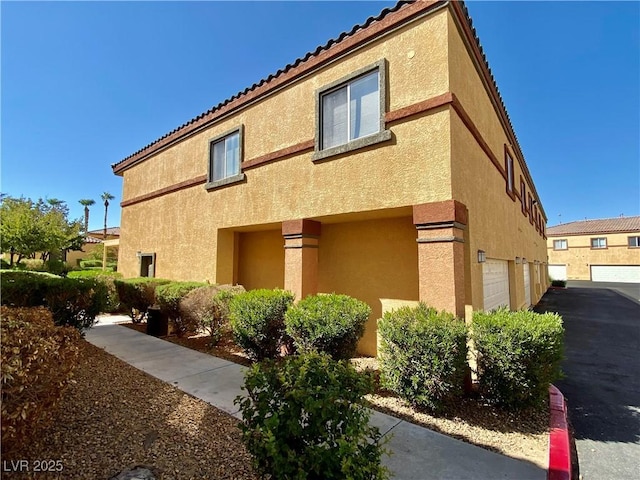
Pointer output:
37, 361
90, 263
73, 301
137, 295
519, 355
31, 264
4, 264
558, 283
423, 355
168, 298
208, 309
107, 279
257, 321
327, 323
305, 418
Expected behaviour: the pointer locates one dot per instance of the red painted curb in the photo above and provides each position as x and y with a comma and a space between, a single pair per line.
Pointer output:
559, 449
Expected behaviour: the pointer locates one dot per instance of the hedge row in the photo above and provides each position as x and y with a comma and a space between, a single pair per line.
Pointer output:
424, 355
73, 302
37, 361
137, 295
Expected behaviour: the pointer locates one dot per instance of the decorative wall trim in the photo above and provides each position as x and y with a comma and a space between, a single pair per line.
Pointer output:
447, 239
200, 180
281, 154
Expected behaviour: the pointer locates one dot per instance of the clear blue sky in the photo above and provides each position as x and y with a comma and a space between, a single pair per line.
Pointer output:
86, 84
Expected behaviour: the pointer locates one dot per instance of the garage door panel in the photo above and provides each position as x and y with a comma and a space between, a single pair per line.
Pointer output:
527, 285
558, 272
495, 279
615, 273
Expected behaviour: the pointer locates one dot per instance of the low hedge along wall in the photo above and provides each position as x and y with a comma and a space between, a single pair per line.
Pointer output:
72, 301
519, 355
423, 355
136, 295
37, 362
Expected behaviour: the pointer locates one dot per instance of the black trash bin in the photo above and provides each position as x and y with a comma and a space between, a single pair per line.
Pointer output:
157, 324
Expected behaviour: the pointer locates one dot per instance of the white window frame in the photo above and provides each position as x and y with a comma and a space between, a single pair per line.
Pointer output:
600, 243
633, 239
232, 177
566, 244
381, 135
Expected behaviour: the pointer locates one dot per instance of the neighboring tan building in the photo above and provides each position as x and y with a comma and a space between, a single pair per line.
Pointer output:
92, 240
606, 250
382, 165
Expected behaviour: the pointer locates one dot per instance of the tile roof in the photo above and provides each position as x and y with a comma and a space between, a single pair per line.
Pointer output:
604, 225
90, 239
110, 231
201, 120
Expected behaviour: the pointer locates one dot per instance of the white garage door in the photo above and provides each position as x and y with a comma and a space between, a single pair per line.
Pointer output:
558, 272
527, 285
495, 278
615, 273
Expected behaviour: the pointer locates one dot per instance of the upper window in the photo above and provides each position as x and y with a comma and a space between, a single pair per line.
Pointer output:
599, 242
634, 242
225, 156
559, 244
510, 172
351, 112
523, 196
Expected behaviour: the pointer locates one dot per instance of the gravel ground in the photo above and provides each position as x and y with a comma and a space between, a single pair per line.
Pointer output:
522, 435
114, 417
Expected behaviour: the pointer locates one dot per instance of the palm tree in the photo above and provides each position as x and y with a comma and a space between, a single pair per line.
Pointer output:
106, 196
87, 202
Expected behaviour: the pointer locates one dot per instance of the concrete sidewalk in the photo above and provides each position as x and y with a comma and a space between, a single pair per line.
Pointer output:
418, 453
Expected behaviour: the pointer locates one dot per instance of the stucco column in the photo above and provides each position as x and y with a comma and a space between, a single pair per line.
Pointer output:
301, 241
441, 235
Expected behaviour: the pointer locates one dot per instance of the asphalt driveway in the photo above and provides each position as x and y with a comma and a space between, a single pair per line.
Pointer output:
602, 376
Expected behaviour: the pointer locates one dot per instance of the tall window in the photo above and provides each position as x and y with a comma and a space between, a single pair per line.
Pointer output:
351, 111
634, 242
559, 244
523, 196
510, 173
599, 242
224, 159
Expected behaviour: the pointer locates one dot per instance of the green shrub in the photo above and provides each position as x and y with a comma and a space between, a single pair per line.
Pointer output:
168, 298
423, 355
37, 361
304, 418
137, 295
108, 280
558, 283
4, 264
31, 264
327, 323
519, 355
23, 289
57, 267
90, 263
257, 321
75, 302
208, 309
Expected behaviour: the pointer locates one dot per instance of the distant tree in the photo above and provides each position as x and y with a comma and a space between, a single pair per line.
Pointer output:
106, 196
86, 202
29, 227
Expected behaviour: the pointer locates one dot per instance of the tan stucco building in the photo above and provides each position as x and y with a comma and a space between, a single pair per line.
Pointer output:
605, 250
382, 165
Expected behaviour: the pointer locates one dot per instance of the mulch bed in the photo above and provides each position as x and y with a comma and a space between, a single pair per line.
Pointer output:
522, 435
114, 417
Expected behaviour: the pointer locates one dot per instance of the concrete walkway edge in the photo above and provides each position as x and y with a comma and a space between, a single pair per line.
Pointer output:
417, 453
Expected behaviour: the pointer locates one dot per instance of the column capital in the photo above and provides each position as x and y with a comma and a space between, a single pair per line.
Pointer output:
303, 227
446, 213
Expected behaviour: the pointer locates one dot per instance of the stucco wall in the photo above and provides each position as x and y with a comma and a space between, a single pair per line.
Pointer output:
260, 259
579, 256
496, 222
369, 260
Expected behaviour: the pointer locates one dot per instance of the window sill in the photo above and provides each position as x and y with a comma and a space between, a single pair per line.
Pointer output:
357, 144
224, 182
